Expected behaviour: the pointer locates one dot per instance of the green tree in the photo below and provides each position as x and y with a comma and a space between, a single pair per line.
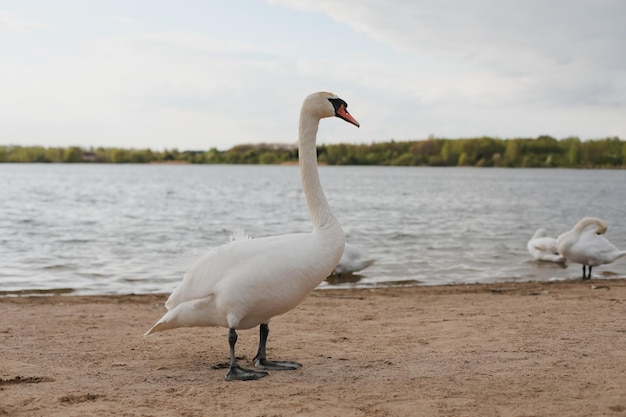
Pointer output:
463, 160
573, 151
73, 154
120, 156
268, 158
511, 155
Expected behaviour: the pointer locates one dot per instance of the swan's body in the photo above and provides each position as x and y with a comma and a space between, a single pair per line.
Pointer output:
246, 282
587, 246
543, 247
353, 260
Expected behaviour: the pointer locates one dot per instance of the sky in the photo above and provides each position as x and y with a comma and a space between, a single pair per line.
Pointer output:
195, 75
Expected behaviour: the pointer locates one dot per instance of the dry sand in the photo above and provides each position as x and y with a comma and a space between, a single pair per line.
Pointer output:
527, 349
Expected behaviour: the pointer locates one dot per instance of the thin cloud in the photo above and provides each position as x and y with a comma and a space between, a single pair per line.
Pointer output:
126, 20
149, 88
548, 48
194, 80
11, 22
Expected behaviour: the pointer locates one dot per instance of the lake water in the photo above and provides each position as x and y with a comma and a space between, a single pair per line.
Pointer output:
120, 229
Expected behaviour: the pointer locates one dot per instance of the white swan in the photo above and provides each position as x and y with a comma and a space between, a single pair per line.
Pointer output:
238, 234
543, 247
587, 246
353, 260
246, 282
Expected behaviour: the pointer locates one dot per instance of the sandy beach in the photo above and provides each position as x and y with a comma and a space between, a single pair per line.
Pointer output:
525, 349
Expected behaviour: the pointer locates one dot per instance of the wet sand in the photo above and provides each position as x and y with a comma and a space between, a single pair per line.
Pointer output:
525, 349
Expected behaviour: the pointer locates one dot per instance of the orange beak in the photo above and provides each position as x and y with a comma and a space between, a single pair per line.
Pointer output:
342, 113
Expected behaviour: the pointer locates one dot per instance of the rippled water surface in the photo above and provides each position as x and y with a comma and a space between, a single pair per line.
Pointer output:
103, 229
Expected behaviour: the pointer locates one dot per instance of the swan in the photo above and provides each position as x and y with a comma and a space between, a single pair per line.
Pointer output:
246, 282
587, 246
238, 234
543, 247
353, 260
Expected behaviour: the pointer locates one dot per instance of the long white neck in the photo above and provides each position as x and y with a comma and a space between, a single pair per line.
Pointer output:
582, 225
321, 215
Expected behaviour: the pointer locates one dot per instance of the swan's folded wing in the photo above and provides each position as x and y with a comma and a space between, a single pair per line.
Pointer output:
247, 261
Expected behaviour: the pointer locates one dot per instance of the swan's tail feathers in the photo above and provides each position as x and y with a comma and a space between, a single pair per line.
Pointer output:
177, 317
165, 323
153, 329
200, 312
621, 254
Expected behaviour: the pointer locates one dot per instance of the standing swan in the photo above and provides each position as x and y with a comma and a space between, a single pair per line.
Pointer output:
246, 282
587, 246
543, 247
353, 260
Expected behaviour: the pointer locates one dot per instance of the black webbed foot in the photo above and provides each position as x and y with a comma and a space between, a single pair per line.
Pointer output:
276, 365
237, 373
260, 359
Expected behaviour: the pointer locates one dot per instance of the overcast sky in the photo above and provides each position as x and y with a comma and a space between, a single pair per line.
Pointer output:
200, 74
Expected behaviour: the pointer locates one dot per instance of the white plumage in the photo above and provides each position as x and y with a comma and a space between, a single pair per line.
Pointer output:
354, 259
543, 247
588, 246
246, 282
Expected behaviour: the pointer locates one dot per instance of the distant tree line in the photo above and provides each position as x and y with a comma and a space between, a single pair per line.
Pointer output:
543, 151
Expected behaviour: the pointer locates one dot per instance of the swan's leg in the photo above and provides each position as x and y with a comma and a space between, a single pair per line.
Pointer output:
237, 373
261, 359
584, 272
589, 274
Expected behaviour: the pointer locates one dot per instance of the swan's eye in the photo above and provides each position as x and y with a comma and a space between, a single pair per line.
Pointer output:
337, 103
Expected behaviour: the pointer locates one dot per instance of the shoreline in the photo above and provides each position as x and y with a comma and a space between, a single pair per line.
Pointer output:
501, 349
334, 284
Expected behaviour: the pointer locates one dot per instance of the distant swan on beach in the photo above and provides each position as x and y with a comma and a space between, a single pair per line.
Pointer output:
543, 247
238, 234
353, 260
587, 246
246, 282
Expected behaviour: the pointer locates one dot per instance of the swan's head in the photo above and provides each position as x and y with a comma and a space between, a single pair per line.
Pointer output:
325, 104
